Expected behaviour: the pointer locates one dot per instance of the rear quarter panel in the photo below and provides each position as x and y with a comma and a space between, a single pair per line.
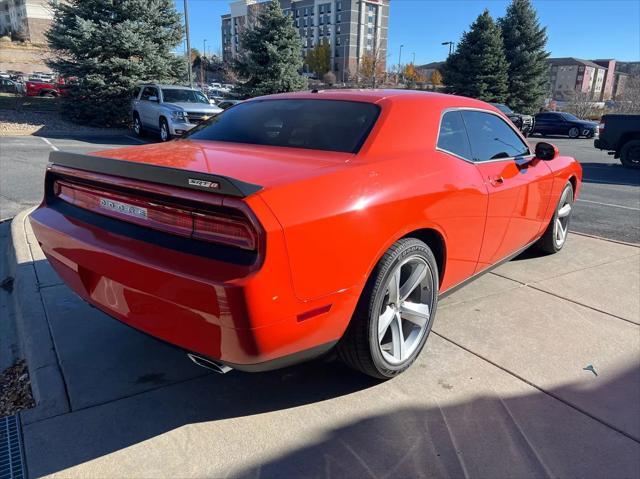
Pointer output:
339, 224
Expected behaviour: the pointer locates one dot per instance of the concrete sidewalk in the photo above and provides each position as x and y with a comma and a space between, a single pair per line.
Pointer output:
501, 389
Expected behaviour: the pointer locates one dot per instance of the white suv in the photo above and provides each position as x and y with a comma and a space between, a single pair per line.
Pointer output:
169, 110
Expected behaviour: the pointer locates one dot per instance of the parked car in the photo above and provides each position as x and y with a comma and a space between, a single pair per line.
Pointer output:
524, 123
10, 86
216, 94
169, 110
42, 88
563, 123
620, 135
302, 222
227, 103
227, 86
215, 85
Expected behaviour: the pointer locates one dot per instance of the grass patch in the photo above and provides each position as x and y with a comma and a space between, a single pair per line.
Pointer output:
8, 101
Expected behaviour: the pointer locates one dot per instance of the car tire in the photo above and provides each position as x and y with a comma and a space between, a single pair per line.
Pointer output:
395, 312
574, 132
555, 236
630, 154
137, 126
165, 135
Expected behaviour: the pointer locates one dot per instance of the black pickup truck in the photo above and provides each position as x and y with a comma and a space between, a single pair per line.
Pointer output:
524, 123
620, 135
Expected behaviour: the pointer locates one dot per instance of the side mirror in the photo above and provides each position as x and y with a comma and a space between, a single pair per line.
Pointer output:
546, 151
153, 98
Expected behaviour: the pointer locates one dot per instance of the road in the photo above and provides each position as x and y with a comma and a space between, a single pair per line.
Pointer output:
609, 205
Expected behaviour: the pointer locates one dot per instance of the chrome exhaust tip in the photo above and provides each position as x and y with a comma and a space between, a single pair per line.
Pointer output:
209, 364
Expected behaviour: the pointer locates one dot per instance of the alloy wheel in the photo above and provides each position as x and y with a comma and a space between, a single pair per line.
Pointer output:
574, 132
136, 126
164, 132
561, 225
406, 309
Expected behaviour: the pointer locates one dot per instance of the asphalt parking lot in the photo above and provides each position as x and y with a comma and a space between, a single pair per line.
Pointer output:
609, 205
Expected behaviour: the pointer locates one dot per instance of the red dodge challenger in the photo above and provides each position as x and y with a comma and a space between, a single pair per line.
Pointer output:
293, 224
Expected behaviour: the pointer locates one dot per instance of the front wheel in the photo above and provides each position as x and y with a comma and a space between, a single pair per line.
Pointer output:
574, 132
165, 135
556, 233
395, 312
630, 154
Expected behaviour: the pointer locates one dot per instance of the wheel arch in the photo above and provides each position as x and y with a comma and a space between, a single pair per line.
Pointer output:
435, 241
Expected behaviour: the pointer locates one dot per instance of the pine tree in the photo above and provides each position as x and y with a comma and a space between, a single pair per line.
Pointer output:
478, 68
272, 54
110, 46
524, 44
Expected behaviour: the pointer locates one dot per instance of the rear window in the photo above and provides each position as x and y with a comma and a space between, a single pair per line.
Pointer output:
330, 125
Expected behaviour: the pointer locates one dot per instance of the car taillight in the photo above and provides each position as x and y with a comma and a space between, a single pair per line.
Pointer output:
229, 229
601, 127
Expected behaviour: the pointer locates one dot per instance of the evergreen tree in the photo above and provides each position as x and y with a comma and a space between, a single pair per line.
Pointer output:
524, 44
110, 46
272, 54
478, 68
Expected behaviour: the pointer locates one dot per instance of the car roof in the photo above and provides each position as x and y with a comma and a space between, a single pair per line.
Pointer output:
168, 87
390, 95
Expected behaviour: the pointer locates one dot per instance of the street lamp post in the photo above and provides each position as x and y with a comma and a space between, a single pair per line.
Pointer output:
399, 64
413, 62
450, 46
204, 53
186, 27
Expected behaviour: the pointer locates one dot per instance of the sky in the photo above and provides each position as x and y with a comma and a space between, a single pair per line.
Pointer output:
586, 29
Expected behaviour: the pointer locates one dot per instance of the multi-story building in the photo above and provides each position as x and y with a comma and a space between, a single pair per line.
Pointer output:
598, 80
353, 29
30, 18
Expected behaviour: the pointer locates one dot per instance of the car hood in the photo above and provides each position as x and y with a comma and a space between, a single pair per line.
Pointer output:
194, 107
260, 165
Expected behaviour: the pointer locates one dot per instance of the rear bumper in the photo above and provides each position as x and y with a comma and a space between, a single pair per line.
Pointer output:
238, 314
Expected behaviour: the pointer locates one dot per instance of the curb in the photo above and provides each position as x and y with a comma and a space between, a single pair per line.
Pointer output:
32, 324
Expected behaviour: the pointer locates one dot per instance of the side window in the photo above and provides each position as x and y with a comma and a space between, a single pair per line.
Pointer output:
148, 92
453, 136
491, 138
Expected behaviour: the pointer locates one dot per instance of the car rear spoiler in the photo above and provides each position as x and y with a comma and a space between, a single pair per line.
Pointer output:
154, 174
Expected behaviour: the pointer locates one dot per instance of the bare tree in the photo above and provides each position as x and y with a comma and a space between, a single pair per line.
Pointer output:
371, 70
582, 105
630, 101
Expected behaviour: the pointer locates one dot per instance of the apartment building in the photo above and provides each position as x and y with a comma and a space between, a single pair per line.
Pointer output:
353, 28
598, 79
32, 18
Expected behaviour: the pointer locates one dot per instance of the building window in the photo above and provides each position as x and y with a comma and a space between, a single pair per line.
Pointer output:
337, 40
328, 8
338, 29
370, 30
321, 8
339, 18
297, 13
339, 6
304, 22
311, 21
321, 21
306, 11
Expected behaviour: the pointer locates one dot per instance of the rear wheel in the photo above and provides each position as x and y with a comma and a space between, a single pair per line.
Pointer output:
555, 236
630, 154
574, 132
396, 310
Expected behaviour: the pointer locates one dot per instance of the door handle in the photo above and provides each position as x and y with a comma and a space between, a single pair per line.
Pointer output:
496, 180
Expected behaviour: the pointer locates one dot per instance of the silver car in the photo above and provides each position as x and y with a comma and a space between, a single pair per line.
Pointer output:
169, 110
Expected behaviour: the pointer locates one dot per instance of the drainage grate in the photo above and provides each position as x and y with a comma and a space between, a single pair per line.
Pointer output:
11, 459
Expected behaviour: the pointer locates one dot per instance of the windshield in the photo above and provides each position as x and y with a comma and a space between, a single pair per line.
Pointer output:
569, 116
183, 96
330, 125
503, 108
